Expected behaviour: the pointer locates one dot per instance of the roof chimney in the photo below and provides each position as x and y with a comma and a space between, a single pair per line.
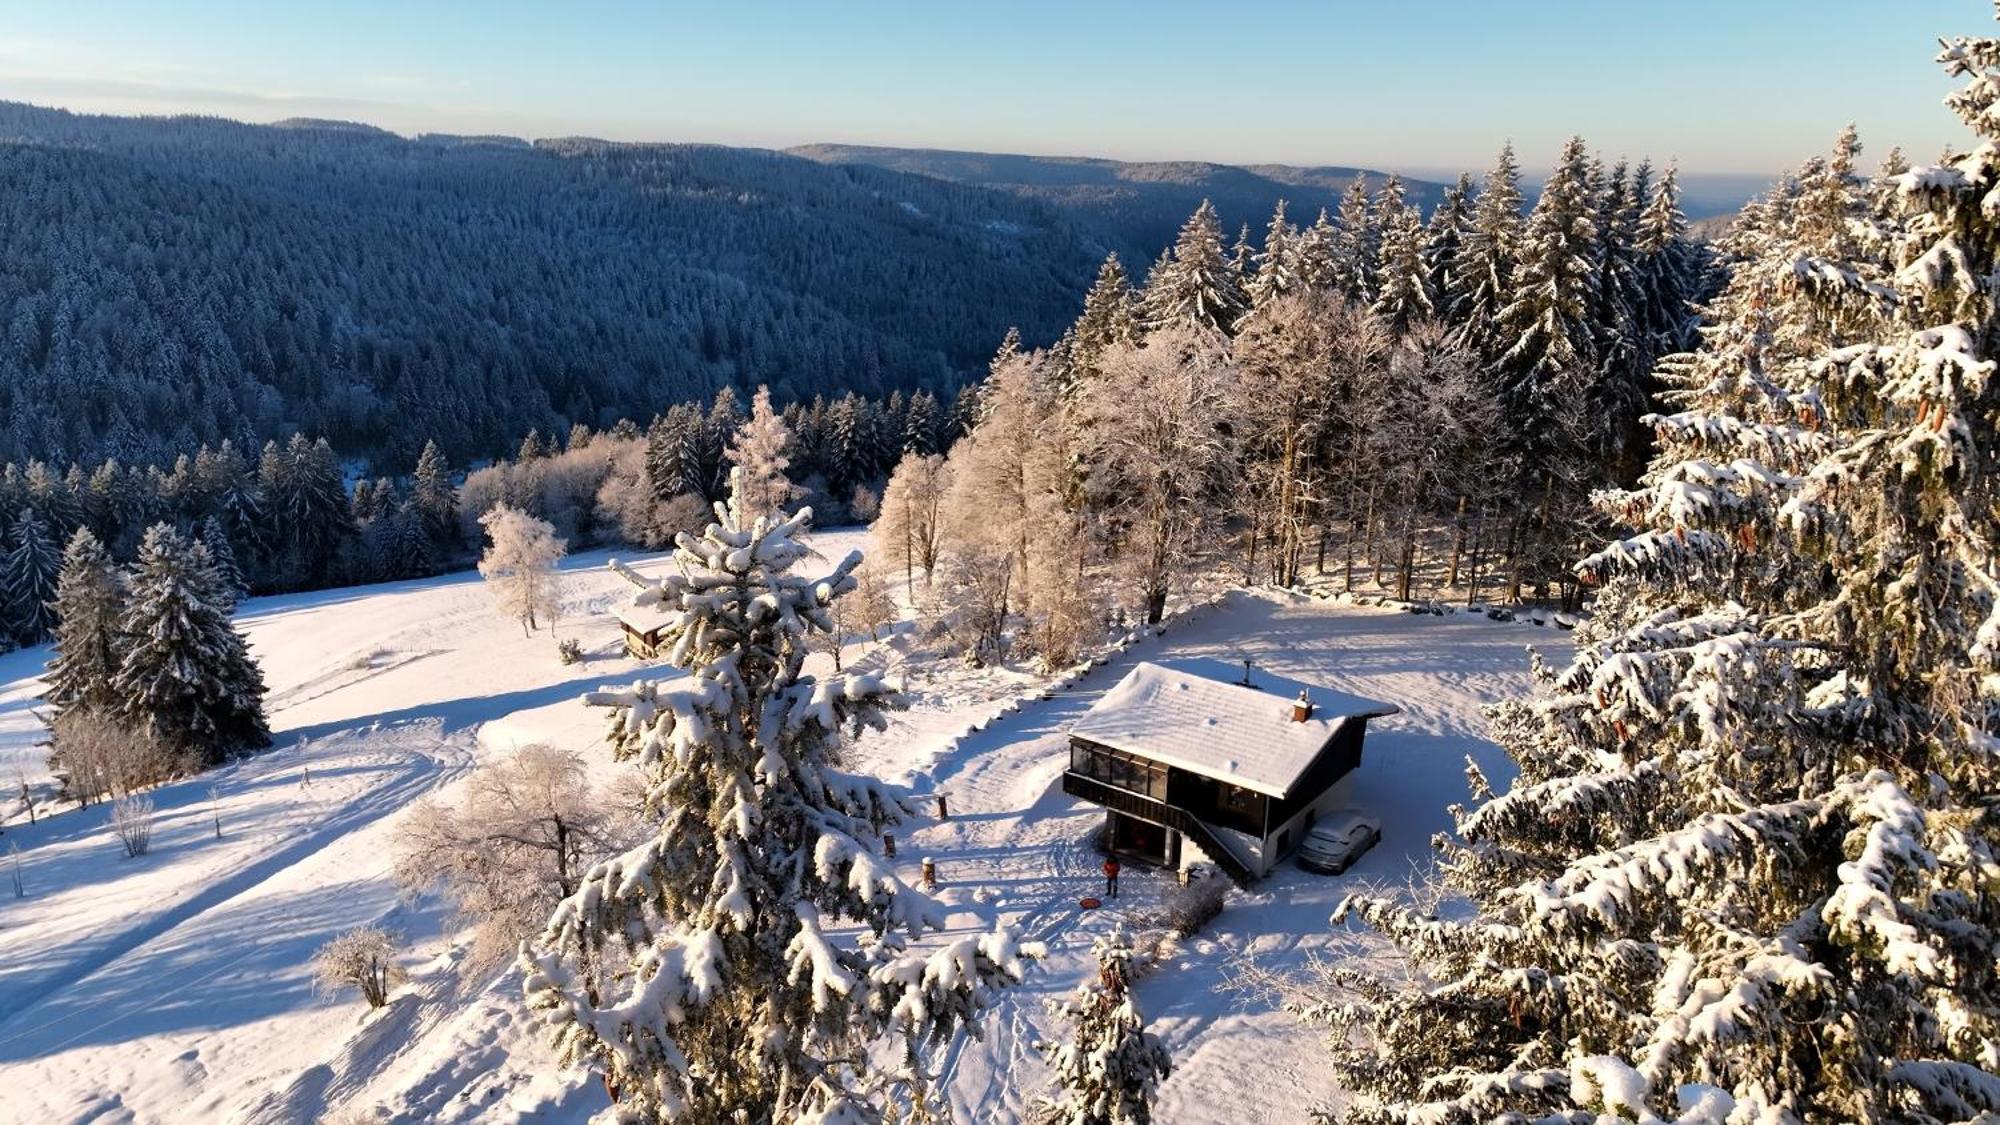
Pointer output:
1302, 708
1246, 673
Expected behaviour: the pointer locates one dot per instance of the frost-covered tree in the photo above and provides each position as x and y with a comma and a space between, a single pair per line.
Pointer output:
1444, 240
1746, 871
1288, 397
911, 525
364, 959
89, 606
1668, 271
759, 454
1110, 1069
28, 579
714, 972
1402, 276
435, 494
1161, 451
187, 677
1277, 266
1484, 284
1353, 245
1196, 287
520, 565
228, 576
519, 842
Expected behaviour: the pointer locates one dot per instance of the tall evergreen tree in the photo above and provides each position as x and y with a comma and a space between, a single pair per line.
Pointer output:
1107, 319
1314, 255
759, 456
89, 608
1197, 288
1110, 1070
187, 678
1485, 282
1444, 237
1277, 268
229, 588
708, 972
1667, 281
435, 496
1746, 871
1403, 295
1354, 245
28, 578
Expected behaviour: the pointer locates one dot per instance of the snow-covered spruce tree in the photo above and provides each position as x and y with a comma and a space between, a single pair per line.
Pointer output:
1196, 288
187, 677
28, 578
89, 605
700, 972
1444, 239
1277, 268
758, 452
1353, 245
1484, 282
228, 576
1313, 255
1748, 871
1110, 1070
436, 496
1402, 276
1547, 369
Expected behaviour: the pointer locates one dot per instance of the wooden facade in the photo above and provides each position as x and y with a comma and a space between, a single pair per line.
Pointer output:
1190, 805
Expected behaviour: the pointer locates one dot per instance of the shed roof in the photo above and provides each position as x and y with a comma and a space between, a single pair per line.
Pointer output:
1229, 732
642, 619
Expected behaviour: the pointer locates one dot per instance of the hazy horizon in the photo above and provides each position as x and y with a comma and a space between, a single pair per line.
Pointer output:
1041, 79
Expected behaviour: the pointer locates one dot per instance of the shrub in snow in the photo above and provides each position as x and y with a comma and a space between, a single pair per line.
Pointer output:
95, 754
569, 650
363, 958
132, 820
1746, 871
747, 959
1190, 908
1110, 1069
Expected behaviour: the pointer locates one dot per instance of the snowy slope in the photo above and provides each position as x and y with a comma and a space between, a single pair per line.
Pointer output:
174, 987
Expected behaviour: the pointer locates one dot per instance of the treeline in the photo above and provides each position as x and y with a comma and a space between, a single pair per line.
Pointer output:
290, 518
178, 282
1372, 378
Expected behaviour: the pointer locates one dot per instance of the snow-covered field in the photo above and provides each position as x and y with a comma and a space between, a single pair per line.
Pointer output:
174, 987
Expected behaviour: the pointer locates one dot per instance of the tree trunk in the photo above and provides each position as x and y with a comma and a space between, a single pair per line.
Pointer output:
1457, 545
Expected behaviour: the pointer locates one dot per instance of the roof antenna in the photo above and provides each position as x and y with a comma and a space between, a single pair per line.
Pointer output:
1246, 673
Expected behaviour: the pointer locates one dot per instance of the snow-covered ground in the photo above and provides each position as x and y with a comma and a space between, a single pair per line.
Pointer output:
174, 987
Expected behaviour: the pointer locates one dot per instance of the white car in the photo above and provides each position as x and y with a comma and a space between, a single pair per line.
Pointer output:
1337, 840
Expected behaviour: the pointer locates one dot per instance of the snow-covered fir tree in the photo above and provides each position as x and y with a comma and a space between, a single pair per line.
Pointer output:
706, 973
1484, 284
1444, 238
89, 609
1353, 244
1747, 870
187, 677
759, 454
1196, 288
229, 585
1277, 266
28, 579
1110, 1069
1402, 276
435, 495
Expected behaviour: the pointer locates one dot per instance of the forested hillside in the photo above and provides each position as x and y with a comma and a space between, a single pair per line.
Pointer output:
169, 282
1135, 207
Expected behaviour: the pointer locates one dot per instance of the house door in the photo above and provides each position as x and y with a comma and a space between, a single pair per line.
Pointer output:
1142, 839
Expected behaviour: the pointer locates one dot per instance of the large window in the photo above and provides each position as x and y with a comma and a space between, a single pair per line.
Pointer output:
1115, 767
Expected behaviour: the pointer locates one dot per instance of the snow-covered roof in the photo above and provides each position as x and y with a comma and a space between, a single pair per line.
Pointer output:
1241, 735
642, 619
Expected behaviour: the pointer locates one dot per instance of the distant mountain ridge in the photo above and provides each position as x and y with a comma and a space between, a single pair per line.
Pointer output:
1138, 205
169, 281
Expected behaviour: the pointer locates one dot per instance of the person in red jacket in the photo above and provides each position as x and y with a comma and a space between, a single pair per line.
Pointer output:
1110, 877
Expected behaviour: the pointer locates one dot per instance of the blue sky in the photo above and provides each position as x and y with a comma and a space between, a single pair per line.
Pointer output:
1751, 86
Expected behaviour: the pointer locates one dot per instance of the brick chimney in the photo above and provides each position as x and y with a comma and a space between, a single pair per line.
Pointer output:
1302, 708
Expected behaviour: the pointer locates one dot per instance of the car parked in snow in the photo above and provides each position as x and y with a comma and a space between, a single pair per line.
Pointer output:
1337, 840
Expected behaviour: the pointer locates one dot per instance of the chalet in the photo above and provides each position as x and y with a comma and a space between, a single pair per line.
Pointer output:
645, 629
1193, 768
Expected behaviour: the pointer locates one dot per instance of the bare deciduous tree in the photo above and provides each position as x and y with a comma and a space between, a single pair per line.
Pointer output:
911, 526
